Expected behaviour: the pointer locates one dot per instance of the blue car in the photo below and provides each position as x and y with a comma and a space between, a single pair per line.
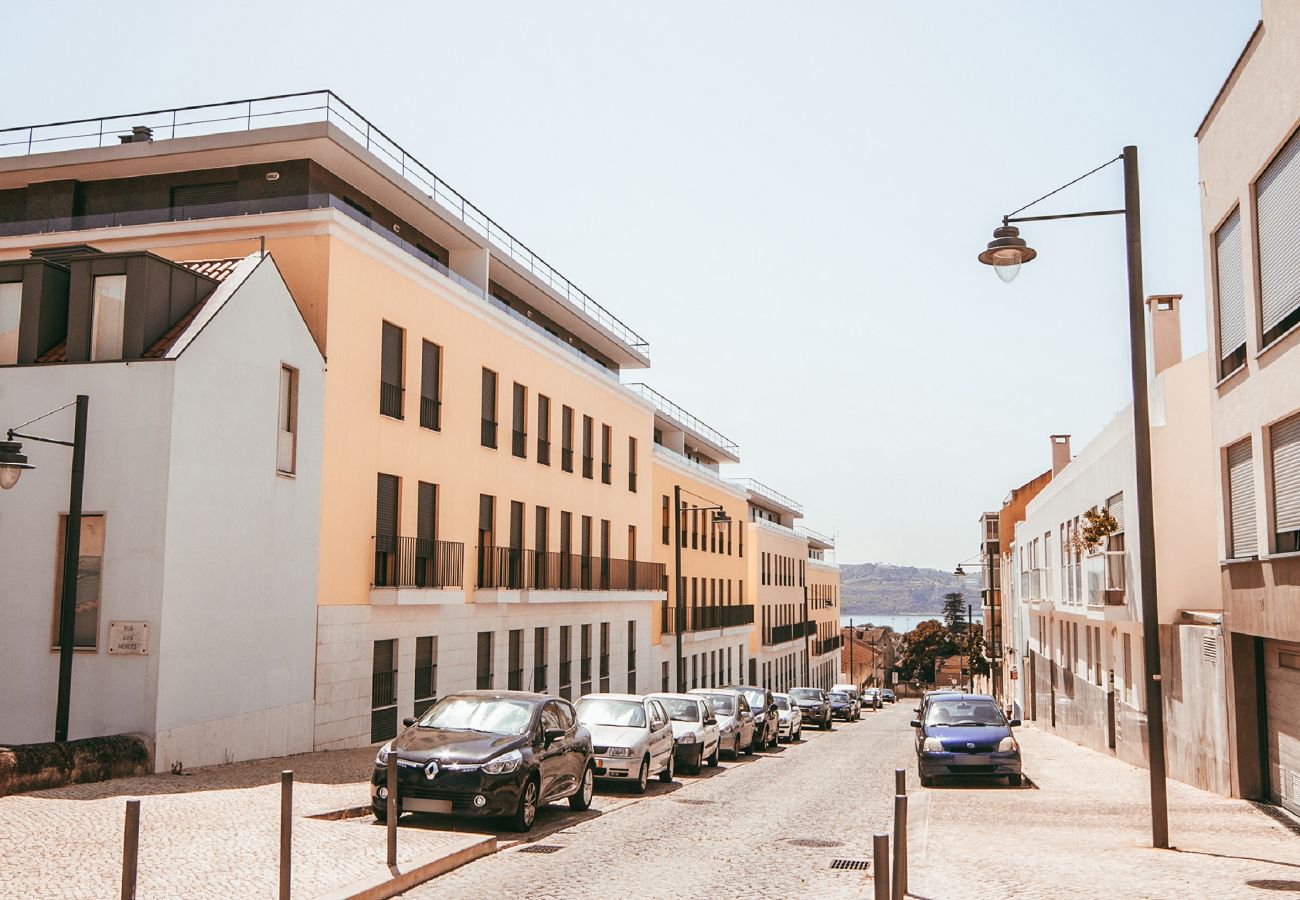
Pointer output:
965, 734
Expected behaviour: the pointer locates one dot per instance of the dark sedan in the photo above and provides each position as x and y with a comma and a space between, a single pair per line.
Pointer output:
763, 705
488, 753
814, 705
889, 696
966, 734
842, 706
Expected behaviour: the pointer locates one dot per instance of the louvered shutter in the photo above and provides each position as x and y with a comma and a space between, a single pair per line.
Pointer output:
1241, 502
1229, 287
1286, 474
540, 527
430, 364
489, 395
543, 418
566, 428
386, 512
586, 535
1277, 204
484, 513
516, 525
193, 200
390, 366
566, 529
426, 518
519, 411
604, 538
1115, 505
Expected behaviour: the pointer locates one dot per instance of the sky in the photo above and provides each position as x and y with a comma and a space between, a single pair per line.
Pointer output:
785, 199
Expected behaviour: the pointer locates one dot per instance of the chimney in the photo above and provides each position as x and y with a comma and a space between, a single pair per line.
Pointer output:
1166, 334
1060, 453
140, 134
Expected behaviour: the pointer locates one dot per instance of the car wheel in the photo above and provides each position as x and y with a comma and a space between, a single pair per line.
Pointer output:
666, 776
581, 800
381, 813
526, 813
1014, 780
735, 747
798, 735
643, 777
926, 780
717, 752
749, 748
694, 764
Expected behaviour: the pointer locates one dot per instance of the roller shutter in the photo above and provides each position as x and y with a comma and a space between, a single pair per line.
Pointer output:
1286, 474
1228, 286
1277, 203
1243, 539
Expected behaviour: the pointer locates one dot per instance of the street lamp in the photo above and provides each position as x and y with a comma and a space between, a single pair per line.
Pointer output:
12, 465
1008, 251
720, 517
994, 620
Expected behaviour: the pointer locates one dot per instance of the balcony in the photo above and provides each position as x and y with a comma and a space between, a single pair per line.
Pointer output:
774, 496
390, 399
488, 434
816, 539
417, 562
781, 634
674, 412
828, 645
1107, 578
706, 618
510, 569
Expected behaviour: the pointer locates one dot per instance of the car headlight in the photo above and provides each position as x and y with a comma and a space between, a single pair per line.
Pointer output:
504, 764
1008, 745
685, 739
381, 758
932, 745
620, 752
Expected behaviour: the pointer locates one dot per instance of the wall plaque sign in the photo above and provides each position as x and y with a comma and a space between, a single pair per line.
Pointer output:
128, 638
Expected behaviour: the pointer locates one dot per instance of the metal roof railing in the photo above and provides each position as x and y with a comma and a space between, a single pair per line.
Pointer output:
763, 490
815, 535
303, 108
671, 409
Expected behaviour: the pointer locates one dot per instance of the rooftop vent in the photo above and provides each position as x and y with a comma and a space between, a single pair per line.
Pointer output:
63, 253
140, 134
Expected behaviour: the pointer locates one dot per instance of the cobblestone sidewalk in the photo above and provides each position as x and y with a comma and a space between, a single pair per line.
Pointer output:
1083, 830
210, 833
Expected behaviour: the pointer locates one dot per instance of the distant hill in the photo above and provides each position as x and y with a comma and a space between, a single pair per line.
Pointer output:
867, 588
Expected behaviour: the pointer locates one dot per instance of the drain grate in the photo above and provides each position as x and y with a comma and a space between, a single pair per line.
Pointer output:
696, 802
854, 865
814, 842
541, 848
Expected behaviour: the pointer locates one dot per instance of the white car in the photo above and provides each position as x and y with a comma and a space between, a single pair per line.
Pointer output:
790, 719
695, 729
631, 736
735, 721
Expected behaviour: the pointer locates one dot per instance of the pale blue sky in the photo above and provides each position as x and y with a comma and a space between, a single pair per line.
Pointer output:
785, 199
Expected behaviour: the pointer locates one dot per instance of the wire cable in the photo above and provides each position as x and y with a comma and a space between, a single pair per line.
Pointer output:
1064, 186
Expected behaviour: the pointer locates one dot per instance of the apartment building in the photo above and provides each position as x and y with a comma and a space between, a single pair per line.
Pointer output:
1081, 583
459, 548
1249, 147
823, 581
703, 630
1014, 661
195, 615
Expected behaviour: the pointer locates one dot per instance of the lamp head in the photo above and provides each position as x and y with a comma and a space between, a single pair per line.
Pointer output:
12, 463
959, 571
1007, 252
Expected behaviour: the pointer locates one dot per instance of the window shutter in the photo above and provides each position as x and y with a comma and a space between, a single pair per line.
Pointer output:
516, 525
1115, 505
386, 506
566, 537
519, 411
1277, 203
543, 417
489, 395
427, 512
390, 366
1241, 502
216, 199
1228, 286
1286, 474
540, 529
430, 365
484, 512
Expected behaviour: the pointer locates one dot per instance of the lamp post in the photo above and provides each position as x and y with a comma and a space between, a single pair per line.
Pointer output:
1006, 253
720, 517
12, 464
994, 618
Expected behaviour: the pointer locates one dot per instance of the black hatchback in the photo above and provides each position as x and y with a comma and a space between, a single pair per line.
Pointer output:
488, 753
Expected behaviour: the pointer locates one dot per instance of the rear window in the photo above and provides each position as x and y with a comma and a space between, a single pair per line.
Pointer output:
782, 703
724, 704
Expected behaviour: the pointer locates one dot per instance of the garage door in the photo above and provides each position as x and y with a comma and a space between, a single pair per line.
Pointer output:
1282, 683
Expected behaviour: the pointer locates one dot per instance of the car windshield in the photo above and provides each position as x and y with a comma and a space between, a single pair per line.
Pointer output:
963, 713
756, 699
782, 703
681, 710
624, 713
805, 694
839, 695
491, 715
723, 704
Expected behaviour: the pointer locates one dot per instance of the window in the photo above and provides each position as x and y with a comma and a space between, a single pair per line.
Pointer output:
109, 302
11, 302
426, 673
483, 667
585, 551
539, 660
90, 568
1243, 540
1285, 441
430, 386
631, 464
383, 691
519, 430
606, 448
286, 446
515, 669
604, 554
543, 430
1230, 295
566, 438
391, 370
631, 656
486, 536
217, 198
488, 436
566, 661
426, 534
1277, 224
604, 657
666, 525
586, 661
663, 676
587, 426
387, 492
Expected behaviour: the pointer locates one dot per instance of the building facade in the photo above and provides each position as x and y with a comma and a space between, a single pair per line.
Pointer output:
1249, 152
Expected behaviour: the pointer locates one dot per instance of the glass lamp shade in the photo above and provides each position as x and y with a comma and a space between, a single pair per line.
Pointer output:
9, 476
1007, 252
12, 463
1007, 273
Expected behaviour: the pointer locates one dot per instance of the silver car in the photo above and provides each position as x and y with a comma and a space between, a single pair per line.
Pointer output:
735, 720
790, 719
632, 737
695, 730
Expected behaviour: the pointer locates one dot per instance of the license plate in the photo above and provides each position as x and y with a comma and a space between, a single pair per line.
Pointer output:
420, 804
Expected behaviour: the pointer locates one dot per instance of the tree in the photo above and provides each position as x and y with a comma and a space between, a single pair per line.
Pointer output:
921, 647
975, 651
954, 611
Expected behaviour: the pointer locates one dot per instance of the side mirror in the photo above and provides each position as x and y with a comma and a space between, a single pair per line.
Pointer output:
553, 734
408, 721
1014, 723
711, 720
916, 723
916, 709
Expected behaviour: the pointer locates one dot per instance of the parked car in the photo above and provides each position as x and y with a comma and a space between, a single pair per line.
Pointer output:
841, 706
735, 719
919, 709
871, 697
696, 737
631, 737
488, 753
789, 718
852, 691
888, 696
814, 706
763, 706
966, 734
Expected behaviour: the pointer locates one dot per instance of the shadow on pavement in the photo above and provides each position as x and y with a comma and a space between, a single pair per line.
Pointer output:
979, 783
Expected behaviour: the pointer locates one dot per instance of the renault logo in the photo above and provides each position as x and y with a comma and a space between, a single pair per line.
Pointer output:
969, 746
431, 769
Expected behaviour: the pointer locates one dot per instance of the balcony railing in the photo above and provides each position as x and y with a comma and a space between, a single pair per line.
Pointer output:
816, 536
706, 618
518, 443
544, 452
757, 487
780, 634
417, 562
302, 108
488, 434
675, 412
827, 645
390, 399
430, 413
507, 568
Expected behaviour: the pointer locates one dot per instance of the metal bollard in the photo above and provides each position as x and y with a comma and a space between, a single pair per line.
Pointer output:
392, 809
880, 865
130, 848
900, 782
286, 832
900, 847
